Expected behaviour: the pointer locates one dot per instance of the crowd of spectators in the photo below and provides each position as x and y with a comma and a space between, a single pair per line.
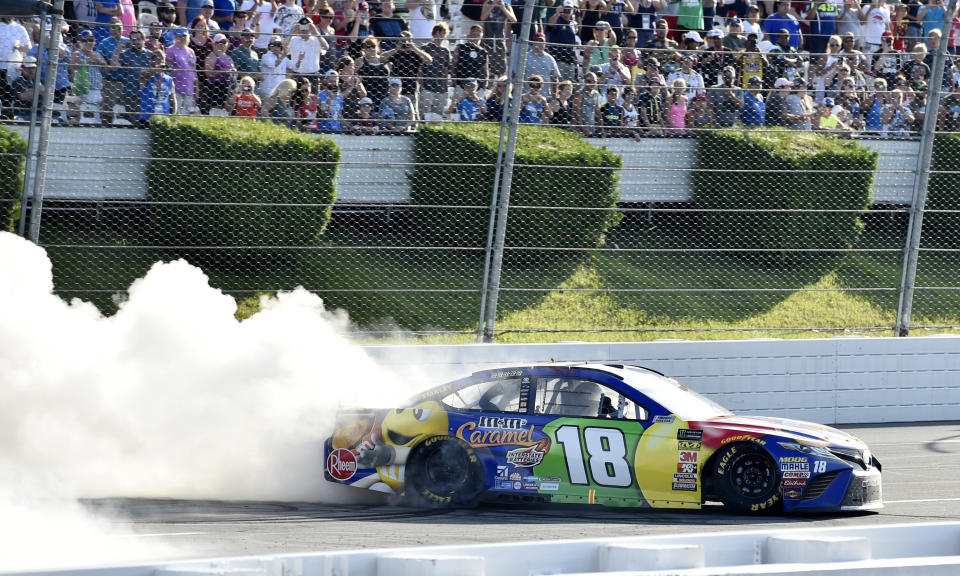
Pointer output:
624, 68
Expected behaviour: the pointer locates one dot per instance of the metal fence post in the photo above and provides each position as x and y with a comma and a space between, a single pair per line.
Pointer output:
921, 182
43, 143
31, 139
516, 82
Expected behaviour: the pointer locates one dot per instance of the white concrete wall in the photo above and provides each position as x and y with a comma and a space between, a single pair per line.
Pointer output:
830, 380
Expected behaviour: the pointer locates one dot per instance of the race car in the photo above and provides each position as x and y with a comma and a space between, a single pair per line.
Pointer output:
599, 434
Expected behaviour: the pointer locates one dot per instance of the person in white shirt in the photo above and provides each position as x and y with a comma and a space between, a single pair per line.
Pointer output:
14, 43
692, 78
876, 22
261, 22
273, 66
305, 49
423, 16
285, 17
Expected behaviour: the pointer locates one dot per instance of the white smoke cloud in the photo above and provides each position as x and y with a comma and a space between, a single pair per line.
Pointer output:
169, 397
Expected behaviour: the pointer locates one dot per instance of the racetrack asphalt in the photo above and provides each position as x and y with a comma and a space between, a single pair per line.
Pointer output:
921, 483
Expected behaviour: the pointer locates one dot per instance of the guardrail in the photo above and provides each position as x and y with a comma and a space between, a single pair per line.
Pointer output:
899, 549
831, 380
98, 164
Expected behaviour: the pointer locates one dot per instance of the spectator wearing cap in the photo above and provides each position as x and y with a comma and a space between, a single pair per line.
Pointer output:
157, 91
751, 22
245, 58
105, 11
397, 110
692, 41
561, 31
714, 57
783, 58
470, 60
61, 83
238, 22
613, 72
854, 58
876, 21
305, 49
387, 26
330, 100
543, 65
129, 62
887, 61
661, 46
223, 13
597, 50
112, 78
691, 78
776, 102
643, 18
471, 106
782, 19
405, 61
498, 19
754, 111
167, 16
86, 68
826, 119
365, 122
219, 74
273, 66
735, 40
726, 99
752, 61
207, 9
286, 16
434, 77
699, 114
182, 61
651, 70
23, 88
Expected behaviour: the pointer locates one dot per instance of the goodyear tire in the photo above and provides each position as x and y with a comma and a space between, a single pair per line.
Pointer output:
747, 479
442, 471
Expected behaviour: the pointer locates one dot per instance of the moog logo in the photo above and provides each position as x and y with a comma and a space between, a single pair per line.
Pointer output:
342, 464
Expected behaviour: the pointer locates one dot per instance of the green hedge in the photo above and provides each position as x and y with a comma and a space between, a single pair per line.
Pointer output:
257, 166
13, 153
943, 193
750, 171
555, 168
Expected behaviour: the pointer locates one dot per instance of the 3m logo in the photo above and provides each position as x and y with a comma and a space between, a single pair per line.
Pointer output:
342, 464
688, 456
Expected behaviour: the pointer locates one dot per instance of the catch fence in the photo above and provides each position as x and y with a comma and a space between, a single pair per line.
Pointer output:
502, 229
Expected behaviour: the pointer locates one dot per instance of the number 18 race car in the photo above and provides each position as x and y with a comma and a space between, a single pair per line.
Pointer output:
597, 434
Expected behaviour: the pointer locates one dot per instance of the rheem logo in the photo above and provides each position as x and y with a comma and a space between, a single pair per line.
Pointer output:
342, 464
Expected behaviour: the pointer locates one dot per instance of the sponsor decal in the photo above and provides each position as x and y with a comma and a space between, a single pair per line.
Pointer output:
722, 466
518, 485
686, 486
687, 468
788, 459
742, 438
530, 482
502, 471
505, 374
525, 457
516, 476
792, 474
492, 431
342, 464
795, 467
687, 434
549, 484
791, 494
502, 484
795, 483
689, 456
592, 497
768, 503
688, 445
662, 419
436, 392
684, 477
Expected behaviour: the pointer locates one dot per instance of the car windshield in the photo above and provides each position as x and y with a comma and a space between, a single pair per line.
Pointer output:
675, 397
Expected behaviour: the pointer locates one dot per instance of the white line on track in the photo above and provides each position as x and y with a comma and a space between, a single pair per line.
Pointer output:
160, 535
924, 500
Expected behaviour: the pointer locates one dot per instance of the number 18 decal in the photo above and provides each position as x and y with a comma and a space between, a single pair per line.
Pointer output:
606, 455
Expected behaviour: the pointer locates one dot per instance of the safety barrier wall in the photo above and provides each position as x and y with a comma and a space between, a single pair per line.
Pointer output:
900, 549
831, 381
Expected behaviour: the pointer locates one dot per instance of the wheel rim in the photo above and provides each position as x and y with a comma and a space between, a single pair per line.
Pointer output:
753, 476
446, 470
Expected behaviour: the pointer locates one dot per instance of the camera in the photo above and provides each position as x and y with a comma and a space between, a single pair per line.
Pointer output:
246, 88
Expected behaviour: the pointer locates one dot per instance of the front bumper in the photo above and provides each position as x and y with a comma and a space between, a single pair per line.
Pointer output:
865, 491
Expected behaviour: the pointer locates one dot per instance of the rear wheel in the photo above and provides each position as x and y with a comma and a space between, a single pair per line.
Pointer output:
444, 472
747, 479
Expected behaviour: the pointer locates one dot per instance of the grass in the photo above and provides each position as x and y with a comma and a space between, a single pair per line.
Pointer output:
651, 283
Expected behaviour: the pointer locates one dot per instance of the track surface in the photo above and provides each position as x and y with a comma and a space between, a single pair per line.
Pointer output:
921, 475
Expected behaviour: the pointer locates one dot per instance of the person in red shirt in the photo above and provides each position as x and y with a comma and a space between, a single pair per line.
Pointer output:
245, 103
305, 104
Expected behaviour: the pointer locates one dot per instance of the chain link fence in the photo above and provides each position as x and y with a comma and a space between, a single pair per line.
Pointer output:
501, 189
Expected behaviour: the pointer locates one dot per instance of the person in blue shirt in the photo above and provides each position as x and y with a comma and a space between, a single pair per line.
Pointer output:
779, 20
157, 90
754, 111
471, 106
822, 16
62, 81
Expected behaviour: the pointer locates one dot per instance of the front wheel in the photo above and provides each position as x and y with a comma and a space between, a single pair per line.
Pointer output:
443, 472
747, 479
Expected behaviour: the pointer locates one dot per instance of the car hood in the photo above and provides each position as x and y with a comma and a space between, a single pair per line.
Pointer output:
797, 430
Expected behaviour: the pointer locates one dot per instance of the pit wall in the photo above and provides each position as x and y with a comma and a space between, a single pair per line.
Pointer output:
846, 380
